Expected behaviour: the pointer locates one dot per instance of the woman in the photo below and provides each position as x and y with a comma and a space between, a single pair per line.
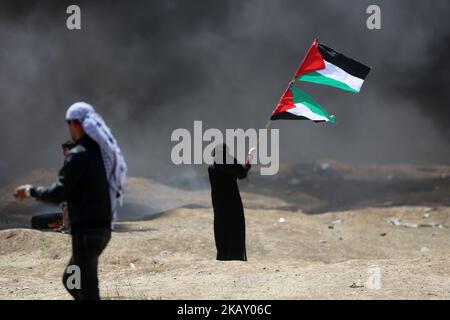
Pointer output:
229, 220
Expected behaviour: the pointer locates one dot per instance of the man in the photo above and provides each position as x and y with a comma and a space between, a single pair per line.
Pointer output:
229, 219
66, 147
91, 182
58, 221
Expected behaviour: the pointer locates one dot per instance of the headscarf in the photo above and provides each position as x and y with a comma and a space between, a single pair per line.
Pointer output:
113, 160
221, 154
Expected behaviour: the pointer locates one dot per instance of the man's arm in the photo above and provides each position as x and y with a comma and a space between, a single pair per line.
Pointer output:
69, 176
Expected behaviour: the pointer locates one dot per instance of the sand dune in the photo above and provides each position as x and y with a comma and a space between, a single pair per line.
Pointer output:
172, 257
292, 254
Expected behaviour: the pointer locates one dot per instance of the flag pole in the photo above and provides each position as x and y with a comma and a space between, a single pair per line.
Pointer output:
268, 124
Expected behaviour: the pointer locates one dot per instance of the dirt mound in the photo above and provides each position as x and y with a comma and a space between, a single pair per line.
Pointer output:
14, 241
14, 214
393, 220
144, 198
310, 187
291, 256
326, 186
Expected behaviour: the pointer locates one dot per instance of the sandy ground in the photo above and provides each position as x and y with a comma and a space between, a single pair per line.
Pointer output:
172, 257
298, 246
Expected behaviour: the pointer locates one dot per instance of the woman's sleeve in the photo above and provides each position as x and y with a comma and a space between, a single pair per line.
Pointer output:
240, 171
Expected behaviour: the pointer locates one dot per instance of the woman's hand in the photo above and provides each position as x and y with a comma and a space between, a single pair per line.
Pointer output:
250, 155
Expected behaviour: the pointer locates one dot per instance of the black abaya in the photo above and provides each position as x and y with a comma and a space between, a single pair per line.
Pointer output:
229, 221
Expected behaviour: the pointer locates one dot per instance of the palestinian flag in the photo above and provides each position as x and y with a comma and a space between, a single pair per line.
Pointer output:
325, 66
296, 105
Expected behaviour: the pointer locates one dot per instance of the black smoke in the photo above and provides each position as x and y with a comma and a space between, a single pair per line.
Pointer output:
150, 67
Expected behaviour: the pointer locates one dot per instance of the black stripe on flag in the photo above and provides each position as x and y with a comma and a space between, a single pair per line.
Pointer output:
347, 64
289, 116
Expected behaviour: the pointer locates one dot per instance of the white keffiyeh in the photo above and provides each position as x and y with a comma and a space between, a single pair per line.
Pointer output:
114, 162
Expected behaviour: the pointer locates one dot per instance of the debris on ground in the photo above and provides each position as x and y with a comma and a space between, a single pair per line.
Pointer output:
335, 222
400, 223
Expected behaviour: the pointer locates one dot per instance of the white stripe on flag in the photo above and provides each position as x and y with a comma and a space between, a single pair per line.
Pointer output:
333, 72
303, 111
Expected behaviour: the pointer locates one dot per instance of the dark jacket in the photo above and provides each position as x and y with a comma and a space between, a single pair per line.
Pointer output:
82, 183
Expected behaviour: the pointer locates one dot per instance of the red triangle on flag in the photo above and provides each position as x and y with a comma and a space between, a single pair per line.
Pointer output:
313, 61
286, 102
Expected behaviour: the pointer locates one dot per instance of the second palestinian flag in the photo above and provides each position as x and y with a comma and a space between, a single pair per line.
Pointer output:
295, 104
325, 66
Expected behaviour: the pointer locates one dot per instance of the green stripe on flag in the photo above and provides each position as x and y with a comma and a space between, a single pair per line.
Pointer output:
316, 77
301, 97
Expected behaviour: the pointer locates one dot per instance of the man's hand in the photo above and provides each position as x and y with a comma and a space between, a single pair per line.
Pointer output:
22, 192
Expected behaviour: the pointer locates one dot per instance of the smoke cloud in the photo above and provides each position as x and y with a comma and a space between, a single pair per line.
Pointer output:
150, 67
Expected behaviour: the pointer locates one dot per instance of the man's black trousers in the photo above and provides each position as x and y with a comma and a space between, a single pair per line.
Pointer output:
87, 245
